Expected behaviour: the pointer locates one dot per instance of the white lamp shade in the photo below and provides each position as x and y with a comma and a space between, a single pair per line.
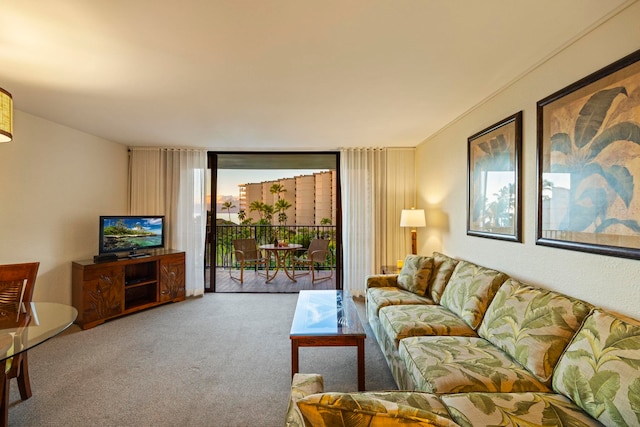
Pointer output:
412, 218
6, 116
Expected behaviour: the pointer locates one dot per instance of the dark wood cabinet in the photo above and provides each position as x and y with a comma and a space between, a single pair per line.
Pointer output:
105, 290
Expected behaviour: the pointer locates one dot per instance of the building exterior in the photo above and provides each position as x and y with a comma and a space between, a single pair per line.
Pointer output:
312, 198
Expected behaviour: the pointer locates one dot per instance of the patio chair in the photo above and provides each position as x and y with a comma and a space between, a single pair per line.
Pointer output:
16, 290
315, 255
248, 255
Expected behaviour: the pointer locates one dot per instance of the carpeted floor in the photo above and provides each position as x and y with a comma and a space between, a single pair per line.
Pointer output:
219, 360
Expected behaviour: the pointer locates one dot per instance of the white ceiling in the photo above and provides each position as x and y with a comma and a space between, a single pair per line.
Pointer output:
274, 74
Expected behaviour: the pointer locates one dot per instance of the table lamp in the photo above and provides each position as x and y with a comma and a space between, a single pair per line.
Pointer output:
413, 218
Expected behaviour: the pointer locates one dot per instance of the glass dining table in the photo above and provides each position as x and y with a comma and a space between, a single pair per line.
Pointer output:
38, 322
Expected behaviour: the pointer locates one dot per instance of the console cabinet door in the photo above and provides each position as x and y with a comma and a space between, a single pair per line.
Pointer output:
103, 293
172, 286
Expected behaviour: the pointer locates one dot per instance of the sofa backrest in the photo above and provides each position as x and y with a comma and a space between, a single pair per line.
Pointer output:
443, 267
470, 290
533, 325
600, 369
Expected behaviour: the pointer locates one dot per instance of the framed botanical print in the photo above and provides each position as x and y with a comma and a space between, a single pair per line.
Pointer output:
589, 163
493, 187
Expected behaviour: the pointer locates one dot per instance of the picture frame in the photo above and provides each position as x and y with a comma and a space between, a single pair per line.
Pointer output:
494, 156
589, 163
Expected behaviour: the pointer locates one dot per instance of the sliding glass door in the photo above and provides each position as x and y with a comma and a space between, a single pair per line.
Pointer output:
266, 196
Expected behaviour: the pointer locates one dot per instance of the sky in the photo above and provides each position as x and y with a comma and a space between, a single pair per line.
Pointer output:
229, 179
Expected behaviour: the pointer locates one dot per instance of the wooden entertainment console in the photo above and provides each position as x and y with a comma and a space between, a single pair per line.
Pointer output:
105, 290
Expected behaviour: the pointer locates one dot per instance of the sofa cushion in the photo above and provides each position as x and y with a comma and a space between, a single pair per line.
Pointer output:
533, 325
362, 409
600, 369
470, 290
463, 364
443, 267
415, 274
419, 320
415, 399
382, 297
515, 409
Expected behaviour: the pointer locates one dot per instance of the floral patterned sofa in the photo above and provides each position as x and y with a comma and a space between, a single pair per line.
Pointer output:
470, 346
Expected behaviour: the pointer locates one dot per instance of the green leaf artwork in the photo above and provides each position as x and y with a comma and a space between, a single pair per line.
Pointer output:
596, 183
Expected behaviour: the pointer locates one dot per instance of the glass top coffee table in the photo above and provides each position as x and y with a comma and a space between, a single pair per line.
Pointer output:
327, 318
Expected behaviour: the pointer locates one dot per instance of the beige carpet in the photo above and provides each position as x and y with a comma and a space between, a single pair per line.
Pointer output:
219, 360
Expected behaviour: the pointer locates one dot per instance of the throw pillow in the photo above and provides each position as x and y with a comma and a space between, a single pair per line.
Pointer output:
443, 267
358, 409
470, 291
415, 274
599, 369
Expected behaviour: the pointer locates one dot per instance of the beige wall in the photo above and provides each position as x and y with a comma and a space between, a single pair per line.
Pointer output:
610, 282
54, 184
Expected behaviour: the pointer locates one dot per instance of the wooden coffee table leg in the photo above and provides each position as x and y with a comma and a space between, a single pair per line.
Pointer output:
294, 357
361, 365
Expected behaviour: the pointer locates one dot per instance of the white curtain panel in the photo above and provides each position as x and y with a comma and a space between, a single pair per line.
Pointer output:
400, 194
171, 182
363, 182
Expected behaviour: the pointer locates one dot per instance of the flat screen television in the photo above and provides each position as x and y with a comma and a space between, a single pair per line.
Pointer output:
131, 234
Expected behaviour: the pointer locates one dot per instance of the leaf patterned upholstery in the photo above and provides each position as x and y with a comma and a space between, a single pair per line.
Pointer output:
360, 409
443, 267
515, 409
383, 297
366, 409
470, 290
600, 370
400, 322
539, 358
415, 274
463, 364
382, 281
532, 325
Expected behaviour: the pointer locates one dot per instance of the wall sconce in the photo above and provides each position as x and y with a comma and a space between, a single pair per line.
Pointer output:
413, 218
6, 116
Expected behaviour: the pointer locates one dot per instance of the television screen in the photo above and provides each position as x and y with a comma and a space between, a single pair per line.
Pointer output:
131, 233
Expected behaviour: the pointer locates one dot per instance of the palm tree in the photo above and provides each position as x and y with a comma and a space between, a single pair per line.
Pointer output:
267, 213
281, 206
257, 205
228, 205
277, 189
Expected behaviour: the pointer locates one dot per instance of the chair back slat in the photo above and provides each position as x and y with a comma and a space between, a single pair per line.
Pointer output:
11, 294
16, 285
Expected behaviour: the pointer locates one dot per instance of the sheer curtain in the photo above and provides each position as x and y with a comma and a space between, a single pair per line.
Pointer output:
376, 184
170, 182
363, 177
400, 194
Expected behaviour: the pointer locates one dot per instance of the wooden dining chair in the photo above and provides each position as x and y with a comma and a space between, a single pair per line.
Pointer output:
314, 256
248, 255
16, 291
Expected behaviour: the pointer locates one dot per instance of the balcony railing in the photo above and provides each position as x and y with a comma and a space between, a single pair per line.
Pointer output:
265, 234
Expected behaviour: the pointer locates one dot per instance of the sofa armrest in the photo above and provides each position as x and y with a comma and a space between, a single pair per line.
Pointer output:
382, 281
302, 386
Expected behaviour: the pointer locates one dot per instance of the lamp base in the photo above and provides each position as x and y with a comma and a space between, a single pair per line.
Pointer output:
414, 242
